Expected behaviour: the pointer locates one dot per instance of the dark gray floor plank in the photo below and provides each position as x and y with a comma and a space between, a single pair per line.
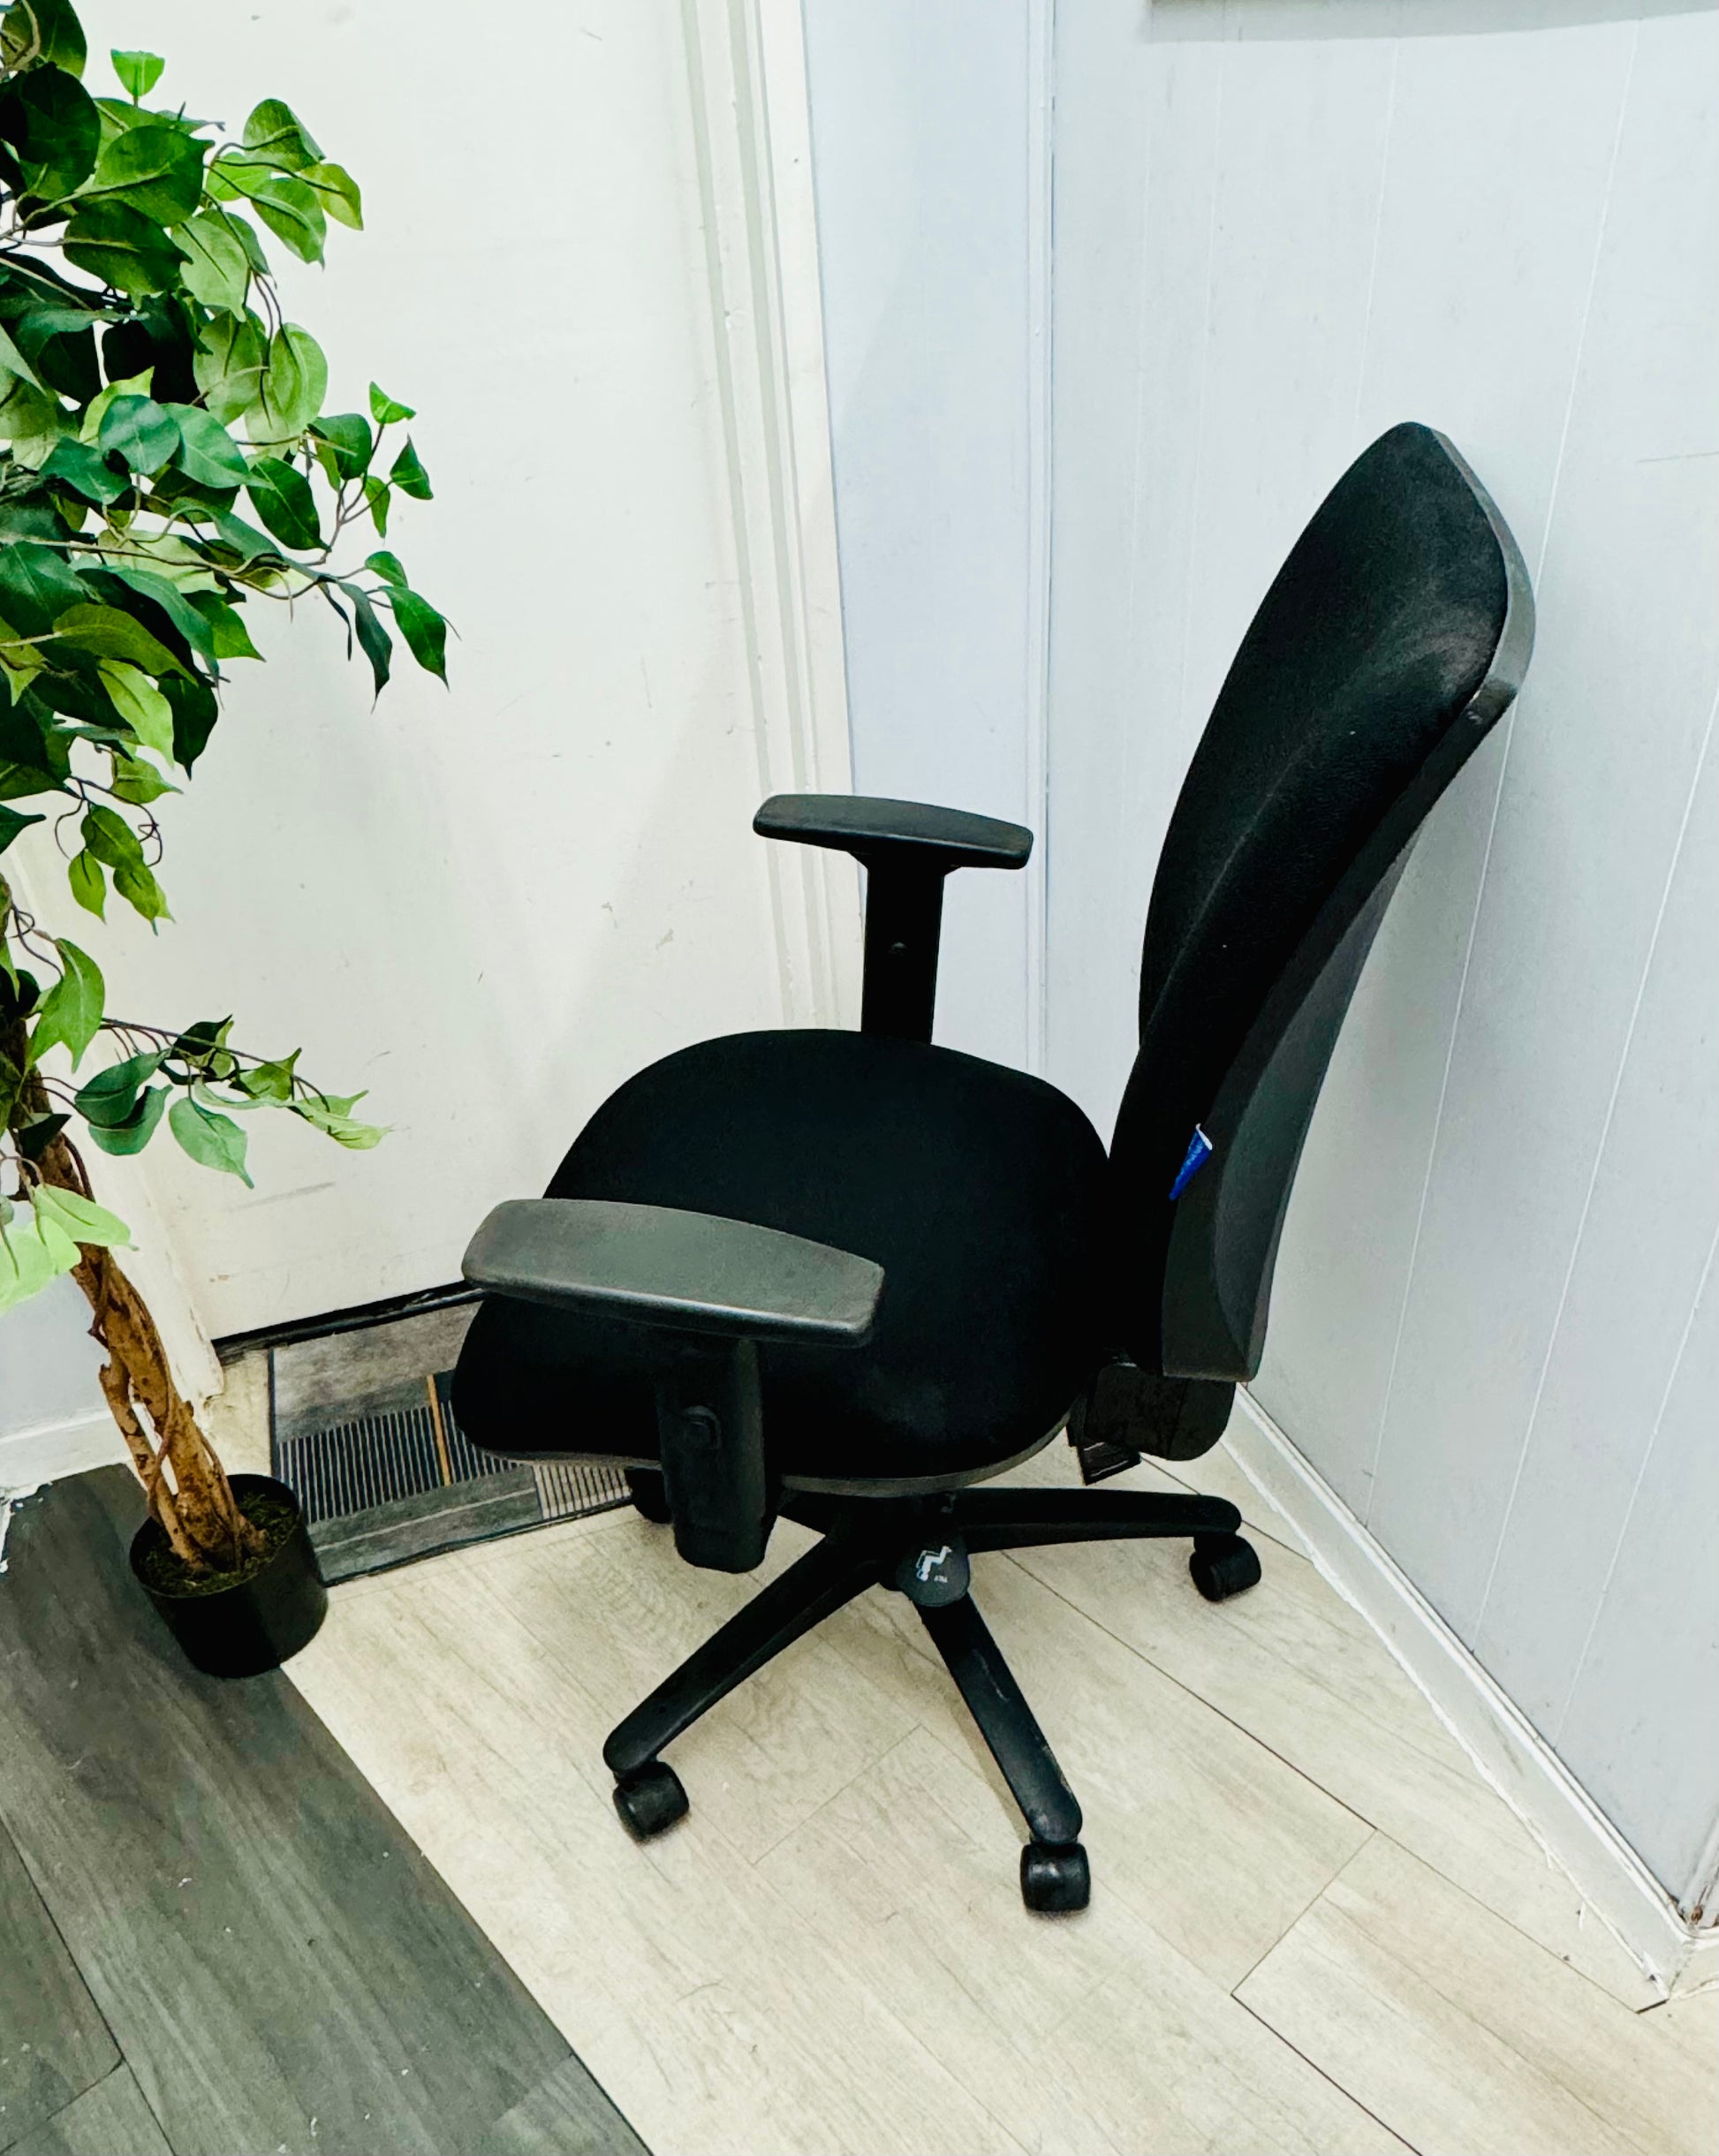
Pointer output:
109, 2119
566, 2114
283, 1970
54, 2044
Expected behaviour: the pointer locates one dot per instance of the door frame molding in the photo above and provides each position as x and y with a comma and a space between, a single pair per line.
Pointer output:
746, 63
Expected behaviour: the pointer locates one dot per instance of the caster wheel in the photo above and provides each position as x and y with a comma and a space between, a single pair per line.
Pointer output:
650, 1800
650, 1500
1055, 1878
1222, 1565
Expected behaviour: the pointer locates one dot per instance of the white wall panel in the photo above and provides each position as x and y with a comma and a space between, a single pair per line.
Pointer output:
1500, 157
1639, 1731
1645, 1238
1281, 228
1602, 756
1136, 176
924, 124
491, 904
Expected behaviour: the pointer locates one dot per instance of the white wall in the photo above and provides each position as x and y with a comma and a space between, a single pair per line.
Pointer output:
929, 157
1281, 228
491, 905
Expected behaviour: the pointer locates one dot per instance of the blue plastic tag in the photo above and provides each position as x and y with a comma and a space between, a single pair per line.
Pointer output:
1198, 1151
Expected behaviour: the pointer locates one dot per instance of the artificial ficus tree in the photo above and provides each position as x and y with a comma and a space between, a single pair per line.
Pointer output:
165, 462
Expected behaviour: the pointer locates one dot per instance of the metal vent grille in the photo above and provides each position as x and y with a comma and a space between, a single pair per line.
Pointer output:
402, 1480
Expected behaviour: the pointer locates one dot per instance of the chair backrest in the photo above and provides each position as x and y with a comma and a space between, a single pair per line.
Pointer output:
1393, 637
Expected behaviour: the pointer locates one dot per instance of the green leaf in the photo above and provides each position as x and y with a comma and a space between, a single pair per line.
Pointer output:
332, 1115
139, 72
140, 703
375, 641
38, 1133
409, 475
290, 392
19, 663
228, 363
86, 470
231, 638
291, 209
36, 584
425, 630
207, 452
122, 246
137, 783
13, 362
52, 122
110, 634
31, 420
347, 435
12, 822
156, 168
244, 539
109, 837
218, 267
137, 885
171, 601
80, 1217
71, 1010
144, 433
111, 1096
337, 192
194, 713
89, 883
42, 30
98, 406
269, 1081
274, 131
247, 239
387, 566
31, 1257
282, 497
378, 493
212, 1140
139, 1128
384, 410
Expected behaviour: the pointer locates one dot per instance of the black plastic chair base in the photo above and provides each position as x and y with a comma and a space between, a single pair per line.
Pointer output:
871, 1541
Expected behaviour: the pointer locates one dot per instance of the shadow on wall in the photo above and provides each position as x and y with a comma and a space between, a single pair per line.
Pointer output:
1211, 22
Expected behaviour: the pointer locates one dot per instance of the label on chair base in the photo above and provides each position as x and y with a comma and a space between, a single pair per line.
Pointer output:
937, 1573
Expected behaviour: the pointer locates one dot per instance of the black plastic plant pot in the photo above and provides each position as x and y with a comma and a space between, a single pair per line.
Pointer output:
241, 1630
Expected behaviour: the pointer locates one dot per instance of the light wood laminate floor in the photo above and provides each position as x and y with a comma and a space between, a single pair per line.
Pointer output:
1313, 1927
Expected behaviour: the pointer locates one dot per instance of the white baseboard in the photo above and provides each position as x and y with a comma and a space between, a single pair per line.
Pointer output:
1504, 1744
49, 1450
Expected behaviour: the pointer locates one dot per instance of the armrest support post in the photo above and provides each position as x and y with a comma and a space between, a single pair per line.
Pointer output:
710, 1433
906, 849
904, 926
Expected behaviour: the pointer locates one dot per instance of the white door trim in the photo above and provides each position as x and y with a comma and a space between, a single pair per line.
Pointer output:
1041, 287
1504, 1744
746, 72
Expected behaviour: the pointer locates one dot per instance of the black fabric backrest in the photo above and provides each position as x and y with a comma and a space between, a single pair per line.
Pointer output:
1392, 639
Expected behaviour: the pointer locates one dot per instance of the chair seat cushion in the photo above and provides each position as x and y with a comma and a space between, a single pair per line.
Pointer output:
980, 1191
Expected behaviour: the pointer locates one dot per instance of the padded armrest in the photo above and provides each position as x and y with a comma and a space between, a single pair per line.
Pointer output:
689, 1272
905, 831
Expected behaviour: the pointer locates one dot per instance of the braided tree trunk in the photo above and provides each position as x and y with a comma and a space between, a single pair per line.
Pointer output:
184, 1483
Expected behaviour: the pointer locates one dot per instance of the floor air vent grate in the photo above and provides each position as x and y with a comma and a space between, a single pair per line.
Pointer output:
364, 1431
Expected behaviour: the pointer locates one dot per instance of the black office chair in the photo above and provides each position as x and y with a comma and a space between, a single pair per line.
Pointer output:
845, 1278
